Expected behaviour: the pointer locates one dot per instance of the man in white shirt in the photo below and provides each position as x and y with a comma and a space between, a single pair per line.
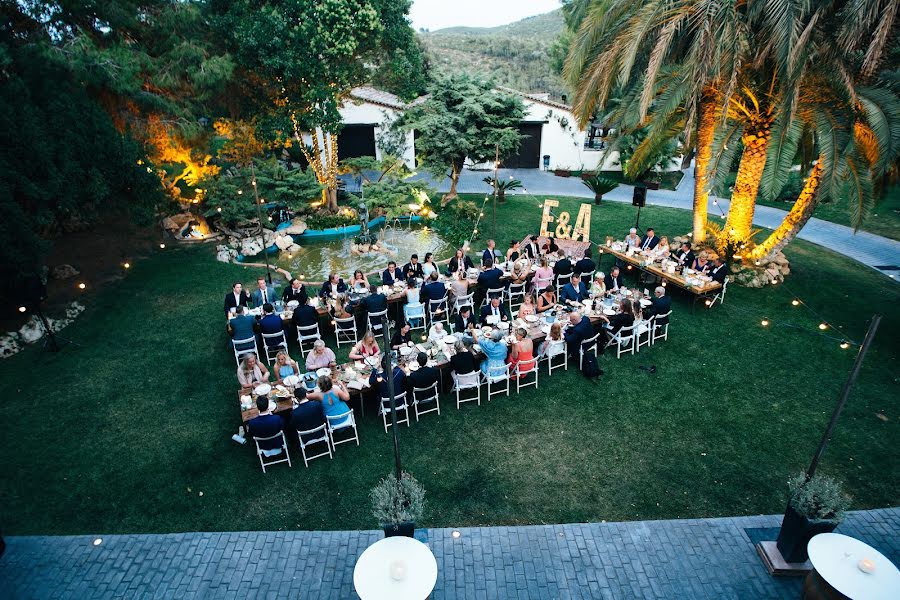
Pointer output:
264, 293
236, 298
495, 311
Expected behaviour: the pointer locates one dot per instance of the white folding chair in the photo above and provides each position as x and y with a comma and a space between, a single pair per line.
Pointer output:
498, 376
274, 343
587, 278
587, 346
515, 295
243, 347
660, 329
644, 330
274, 452
561, 282
556, 349
341, 422
375, 320
493, 292
308, 333
415, 316
720, 296
623, 340
521, 372
460, 301
345, 331
467, 381
437, 310
321, 436
426, 396
399, 404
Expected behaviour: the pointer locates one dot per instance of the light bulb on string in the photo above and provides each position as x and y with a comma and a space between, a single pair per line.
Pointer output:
764, 322
795, 302
22, 309
823, 326
845, 345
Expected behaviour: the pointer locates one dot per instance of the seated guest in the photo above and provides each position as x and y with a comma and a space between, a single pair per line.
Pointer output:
660, 304
413, 293
623, 319
359, 283
662, 249
320, 357
489, 279
586, 265
433, 290
720, 270
579, 330
463, 361
237, 298
613, 280
296, 291
413, 268
555, 336
531, 250
339, 310
391, 275
527, 308
305, 315
549, 247
251, 372
543, 276
598, 288
460, 262
334, 285
494, 349
650, 240
563, 267
495, 311
521, 351
243, 326
512, 253
333, 396
488, 254
365, 348
270, 323
402, 336
701, 263
378, 383
428, 266
423, 377
266, 425
263, 292
573, 292
684, 256
284, 366
632, 240
519, 273
375, 302
459, 285
464, 321
307, 415
546, 300
437, 333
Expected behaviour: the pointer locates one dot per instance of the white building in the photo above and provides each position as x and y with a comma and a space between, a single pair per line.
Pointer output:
367, 115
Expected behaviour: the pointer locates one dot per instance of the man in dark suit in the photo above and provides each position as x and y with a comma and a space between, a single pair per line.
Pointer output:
573, 292
650, 241
307, 415
270, 323
266, 425
531, 250
494, 309
243, 326
391, 274
379, 385
684, 256
413, 268
296, 291
375, 302
489, 279
422, 377
305, 315
464, 321
586, 266
433, 290
562, 268
613, 279
263, 293
660, 304
579, 330
488, 254
334, 285
459, 261
720, 270
236, 298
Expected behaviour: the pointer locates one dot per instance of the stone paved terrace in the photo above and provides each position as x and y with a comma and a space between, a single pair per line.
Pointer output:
684, 559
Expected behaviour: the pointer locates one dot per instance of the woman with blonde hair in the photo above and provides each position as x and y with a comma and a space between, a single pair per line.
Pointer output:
284, 366
365, 348
251, 372
521, 351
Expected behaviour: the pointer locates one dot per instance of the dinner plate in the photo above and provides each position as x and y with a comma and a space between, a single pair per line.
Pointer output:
450, 339
293, 304
413, 366
262, 389
291, 381
545, 328
476, 347
531, 318
608, 312
272, 405
405, 350
645, 302
323, 372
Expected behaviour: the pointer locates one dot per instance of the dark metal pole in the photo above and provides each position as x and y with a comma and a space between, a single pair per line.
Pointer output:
845, 393
496, 184
262, 237
388, 370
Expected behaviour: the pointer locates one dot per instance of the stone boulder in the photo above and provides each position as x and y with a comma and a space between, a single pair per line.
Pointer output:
294, 248
9, 344
251, 246
32, 330
297, 227
225, 253
175, 223
284, 242
64, 272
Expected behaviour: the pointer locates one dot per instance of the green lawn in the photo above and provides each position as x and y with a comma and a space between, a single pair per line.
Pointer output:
124, 433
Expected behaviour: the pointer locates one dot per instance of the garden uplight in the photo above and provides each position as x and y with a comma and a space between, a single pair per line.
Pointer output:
845, 345
823, 326
126, 265
22, 309
162, 246
795, 302
764, 322
81, 286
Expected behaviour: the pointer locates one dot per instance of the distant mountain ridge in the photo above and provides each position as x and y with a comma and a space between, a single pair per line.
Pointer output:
548, 25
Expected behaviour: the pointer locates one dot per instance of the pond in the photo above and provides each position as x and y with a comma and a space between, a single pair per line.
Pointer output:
319, 257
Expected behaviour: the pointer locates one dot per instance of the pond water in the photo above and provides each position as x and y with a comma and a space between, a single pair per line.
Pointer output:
319, 257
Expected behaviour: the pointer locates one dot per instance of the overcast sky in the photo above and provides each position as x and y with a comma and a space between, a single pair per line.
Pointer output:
437, 14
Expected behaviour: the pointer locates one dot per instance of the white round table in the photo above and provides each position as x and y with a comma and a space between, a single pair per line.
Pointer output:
836, 559
395, 568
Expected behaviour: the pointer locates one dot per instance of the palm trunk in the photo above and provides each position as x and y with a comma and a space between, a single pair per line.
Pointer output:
705, 133
753, 159
329, 195
799, 214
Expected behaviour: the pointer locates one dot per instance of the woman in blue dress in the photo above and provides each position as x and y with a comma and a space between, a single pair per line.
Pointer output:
495, 350
334, 399
284, 367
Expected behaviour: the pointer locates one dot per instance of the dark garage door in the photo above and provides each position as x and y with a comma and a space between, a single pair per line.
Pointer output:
355, 141
529, 154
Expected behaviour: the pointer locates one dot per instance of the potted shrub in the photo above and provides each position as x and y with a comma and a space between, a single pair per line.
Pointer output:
588, 174
503, 186
398, 504
600, 185
816, 506
561, 171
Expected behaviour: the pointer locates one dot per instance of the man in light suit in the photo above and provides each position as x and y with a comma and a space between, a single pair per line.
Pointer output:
263, 293
573, 292
650, 241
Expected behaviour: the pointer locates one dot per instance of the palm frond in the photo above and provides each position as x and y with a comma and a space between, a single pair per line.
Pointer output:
726, 144
881, 108
786, 134
859, 189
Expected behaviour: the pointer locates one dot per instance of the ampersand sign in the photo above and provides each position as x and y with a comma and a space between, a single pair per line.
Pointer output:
562, 228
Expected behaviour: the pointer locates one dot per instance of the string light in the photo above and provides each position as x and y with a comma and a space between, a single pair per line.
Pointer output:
823, 326
795, 302
126, 265
219, 209
81, 286
22, 309
162, 246
239, 192
764, 322
845, 345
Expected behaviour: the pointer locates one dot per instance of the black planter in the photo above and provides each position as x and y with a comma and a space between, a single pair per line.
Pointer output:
796, 531
407, 529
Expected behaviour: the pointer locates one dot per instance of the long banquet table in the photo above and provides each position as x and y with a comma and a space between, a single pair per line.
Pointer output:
701, 286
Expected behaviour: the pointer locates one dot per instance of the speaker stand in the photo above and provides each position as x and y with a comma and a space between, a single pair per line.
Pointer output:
52, 342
